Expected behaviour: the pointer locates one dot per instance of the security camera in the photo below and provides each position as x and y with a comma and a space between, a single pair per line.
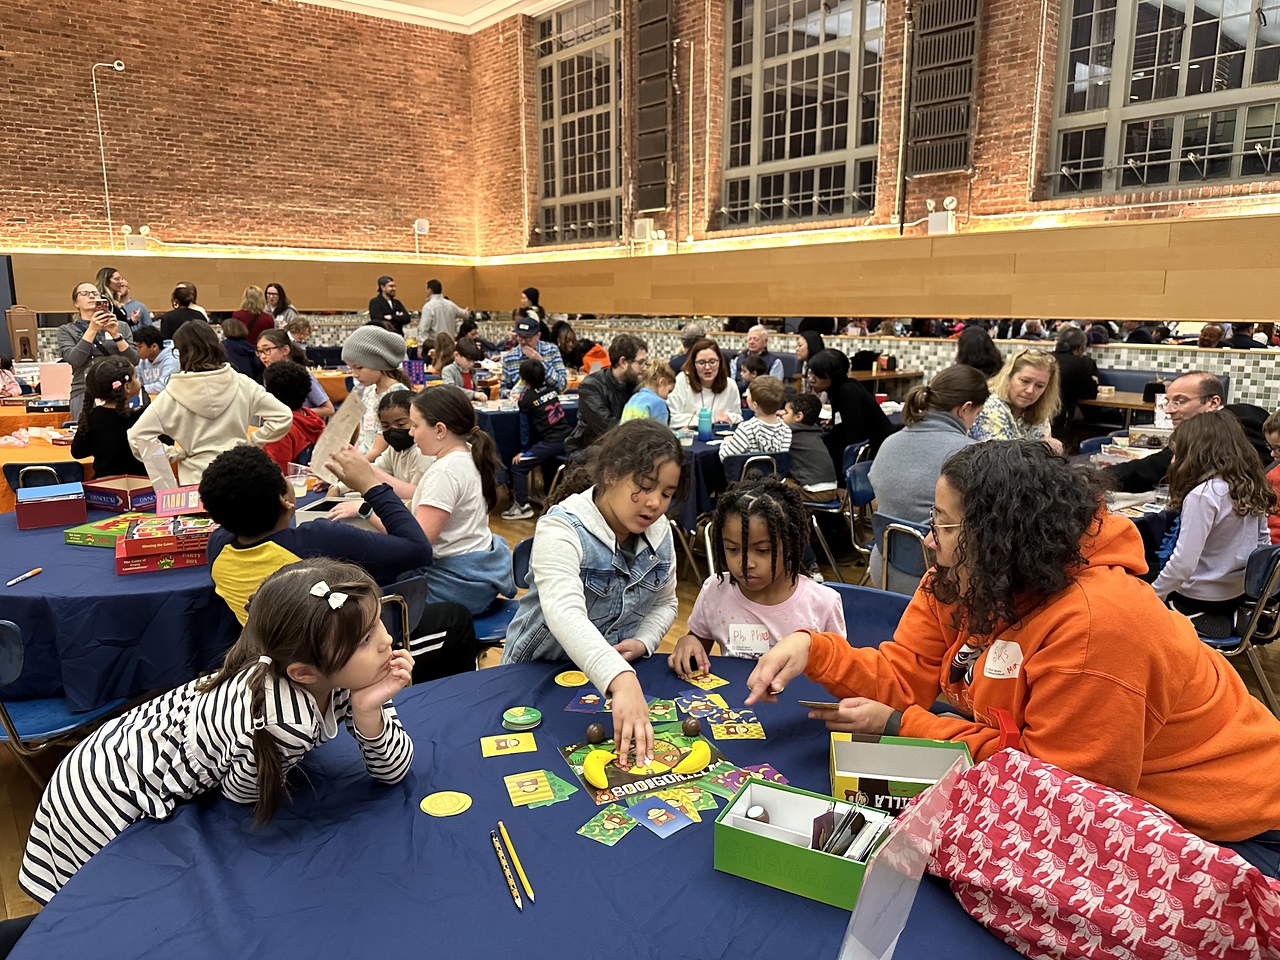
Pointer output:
950, 203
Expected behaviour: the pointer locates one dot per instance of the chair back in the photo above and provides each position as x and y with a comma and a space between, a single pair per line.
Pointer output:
901, 545
402, 609
1260, 573
870, 616
855, 453
1092, 444
19, 475
858, 480
707, 542
11, 656
790, 365
749, 466
520, 560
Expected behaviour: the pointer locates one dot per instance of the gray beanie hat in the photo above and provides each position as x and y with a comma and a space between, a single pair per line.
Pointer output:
373, 347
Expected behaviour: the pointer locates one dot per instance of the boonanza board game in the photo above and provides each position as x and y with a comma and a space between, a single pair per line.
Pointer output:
677, 759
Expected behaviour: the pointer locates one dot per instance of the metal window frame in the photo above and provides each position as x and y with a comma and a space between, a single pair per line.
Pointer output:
551, 226
853, 155
1120, 111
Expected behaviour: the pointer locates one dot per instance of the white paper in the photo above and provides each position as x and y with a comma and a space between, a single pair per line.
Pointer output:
155, 459
748, 640
55, 381
337, 436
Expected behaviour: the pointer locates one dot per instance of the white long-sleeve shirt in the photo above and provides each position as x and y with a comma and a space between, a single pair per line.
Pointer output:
1213, 547
176, 747
684, 401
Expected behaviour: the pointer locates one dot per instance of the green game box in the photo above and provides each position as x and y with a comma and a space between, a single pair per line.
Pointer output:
887, 772
777, 853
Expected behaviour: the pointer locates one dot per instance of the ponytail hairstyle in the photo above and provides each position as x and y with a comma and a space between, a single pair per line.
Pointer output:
782, 511
289, 624
395, 373
951, 387
449, 405
634, 450
658, 373
107, 379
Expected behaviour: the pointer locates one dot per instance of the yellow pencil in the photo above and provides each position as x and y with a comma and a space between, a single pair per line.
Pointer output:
515, 859
506, 871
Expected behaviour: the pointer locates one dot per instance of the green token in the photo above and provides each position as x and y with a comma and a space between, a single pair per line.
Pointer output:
521, 718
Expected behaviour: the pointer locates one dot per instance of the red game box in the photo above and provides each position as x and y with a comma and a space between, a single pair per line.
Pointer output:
165, 535
159, 561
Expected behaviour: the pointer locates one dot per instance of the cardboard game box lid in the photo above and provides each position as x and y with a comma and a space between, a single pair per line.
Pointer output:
157, 535
52, 491
176, 500
120, 493
101, 533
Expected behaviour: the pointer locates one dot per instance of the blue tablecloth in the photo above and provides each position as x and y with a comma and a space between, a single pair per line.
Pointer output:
504, 427
92, 635
706, 482
350, 867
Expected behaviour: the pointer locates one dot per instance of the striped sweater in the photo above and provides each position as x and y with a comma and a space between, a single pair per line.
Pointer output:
178, 746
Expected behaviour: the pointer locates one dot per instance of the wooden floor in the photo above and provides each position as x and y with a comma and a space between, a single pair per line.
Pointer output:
19, 794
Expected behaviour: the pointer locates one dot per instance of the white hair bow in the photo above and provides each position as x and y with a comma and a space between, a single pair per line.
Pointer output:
321, 590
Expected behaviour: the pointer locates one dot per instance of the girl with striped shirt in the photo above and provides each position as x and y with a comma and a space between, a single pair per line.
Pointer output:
313, 652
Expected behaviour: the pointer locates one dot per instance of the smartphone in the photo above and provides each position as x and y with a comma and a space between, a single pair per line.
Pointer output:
819, 704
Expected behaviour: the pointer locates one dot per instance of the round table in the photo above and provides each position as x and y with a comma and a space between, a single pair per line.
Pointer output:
352, 867
36, 451
334, 383
16, 418
93, 635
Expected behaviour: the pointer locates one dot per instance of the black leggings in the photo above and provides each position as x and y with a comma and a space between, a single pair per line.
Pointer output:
443, 643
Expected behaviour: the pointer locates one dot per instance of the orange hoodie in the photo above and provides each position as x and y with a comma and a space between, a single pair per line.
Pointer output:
1102, 680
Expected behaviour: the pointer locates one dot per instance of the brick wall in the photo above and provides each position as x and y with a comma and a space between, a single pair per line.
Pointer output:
246, 121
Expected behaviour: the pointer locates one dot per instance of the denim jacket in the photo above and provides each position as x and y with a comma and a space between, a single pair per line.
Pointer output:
583, 596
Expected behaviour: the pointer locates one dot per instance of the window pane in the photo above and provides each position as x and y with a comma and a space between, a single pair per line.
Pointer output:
1266, 58
740, 121
800, 197
548, 161
1261, 141
777, 24
1092, 43
737, 202
835, 100
1218, 36
549, 231
1157, 50
1148, 147
742, 26
772, 199
865, 192
830, 197
1081, 160
869, 101
773, 114
1207, 139
804, 107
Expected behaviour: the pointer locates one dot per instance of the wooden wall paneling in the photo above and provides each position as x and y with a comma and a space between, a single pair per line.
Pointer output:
1208, 294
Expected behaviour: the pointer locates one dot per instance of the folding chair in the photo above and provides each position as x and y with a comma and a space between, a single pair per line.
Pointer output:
29, 726
751, 466
901, 546
859, 495
1261, 586
43, 474
491, 626
870, 616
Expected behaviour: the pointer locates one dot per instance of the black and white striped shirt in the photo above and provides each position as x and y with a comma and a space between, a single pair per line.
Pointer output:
176, 747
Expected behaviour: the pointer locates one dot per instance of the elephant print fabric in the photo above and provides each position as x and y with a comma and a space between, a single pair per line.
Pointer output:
1058, 866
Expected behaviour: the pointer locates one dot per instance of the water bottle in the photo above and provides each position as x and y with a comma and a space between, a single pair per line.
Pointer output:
704, 424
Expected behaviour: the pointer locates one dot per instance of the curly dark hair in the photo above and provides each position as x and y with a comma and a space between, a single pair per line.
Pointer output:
1025, 512
636, 449
1214, 445
781, 510
107, 379
288, 382
241, 491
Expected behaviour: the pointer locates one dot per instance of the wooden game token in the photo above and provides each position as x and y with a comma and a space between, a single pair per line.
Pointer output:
595, 733
446, 803
572, 678
758, 813
692, 727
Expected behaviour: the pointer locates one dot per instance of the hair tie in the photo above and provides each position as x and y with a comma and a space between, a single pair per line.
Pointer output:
265, 659
116, 384
335, 600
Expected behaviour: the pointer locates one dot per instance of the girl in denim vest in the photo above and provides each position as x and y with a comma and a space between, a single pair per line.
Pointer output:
602, 577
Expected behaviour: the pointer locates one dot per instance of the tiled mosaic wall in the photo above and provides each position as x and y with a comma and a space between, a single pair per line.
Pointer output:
1255, 374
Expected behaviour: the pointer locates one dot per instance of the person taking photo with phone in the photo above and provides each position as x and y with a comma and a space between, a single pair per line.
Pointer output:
96, 332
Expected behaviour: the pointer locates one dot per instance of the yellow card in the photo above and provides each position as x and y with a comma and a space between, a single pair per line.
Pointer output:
678, 798
526, 788
507, 743
737, 731
708, 681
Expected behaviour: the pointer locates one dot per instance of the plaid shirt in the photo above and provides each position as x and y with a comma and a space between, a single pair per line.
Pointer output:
557, 376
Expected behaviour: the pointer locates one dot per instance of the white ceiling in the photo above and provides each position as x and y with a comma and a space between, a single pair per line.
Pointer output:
460, 16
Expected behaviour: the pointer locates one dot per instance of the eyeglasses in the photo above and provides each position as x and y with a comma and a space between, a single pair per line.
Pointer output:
706, 363
1182, 401
267, 351
935, 526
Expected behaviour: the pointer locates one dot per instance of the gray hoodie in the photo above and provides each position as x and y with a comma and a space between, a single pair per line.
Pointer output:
209, 411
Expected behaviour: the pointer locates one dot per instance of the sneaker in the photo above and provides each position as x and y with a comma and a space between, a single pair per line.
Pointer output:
517, 511
814, 574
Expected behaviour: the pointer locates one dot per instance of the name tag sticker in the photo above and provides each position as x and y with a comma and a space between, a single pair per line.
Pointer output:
748, 640
1004, 660
836, 420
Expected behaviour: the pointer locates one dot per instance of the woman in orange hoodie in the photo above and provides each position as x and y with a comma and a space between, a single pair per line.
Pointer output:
1035, 612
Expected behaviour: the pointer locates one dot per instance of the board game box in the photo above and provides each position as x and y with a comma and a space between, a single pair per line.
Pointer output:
670, 747
101, 533
155, 535
159, 561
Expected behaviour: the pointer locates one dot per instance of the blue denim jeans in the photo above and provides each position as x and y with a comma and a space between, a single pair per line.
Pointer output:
538, 454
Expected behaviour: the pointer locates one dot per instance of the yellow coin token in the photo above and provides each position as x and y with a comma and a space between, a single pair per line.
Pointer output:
447, 803
572, 678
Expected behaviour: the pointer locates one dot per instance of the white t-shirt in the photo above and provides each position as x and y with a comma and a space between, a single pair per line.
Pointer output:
744, 628
452, 484
371, 426
407, 466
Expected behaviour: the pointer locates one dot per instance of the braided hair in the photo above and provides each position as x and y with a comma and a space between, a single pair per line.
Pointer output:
107, 379
781, 510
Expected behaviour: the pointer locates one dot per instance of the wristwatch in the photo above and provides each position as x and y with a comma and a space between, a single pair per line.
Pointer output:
365, 511
117, 339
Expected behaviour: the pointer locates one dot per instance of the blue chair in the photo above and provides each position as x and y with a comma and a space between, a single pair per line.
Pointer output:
402, 609
29, 726
870, 615
1262, 625
43, 474
858, 496
855, 453
790, 365
752, 465
491, 626
901, 546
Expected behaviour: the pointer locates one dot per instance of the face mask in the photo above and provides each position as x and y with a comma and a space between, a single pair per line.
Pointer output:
398, 440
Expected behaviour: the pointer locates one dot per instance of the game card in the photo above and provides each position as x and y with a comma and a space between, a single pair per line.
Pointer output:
527, 788
729, 780
700, 704
507, 743
589, 702
732, 715
765, 771
659, 816
737, 731
708, 681
608, 826
560, 789
662, 711
681, 802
